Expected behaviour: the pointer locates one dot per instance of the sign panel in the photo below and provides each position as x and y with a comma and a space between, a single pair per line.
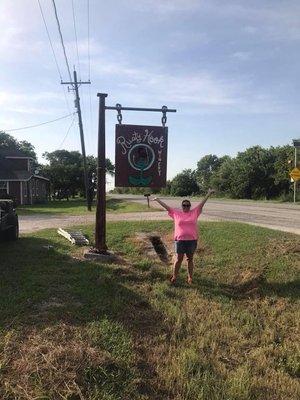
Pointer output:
296, 142
141, 156
295, 174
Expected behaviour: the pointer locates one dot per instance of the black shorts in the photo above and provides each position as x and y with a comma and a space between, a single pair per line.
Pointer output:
185, 246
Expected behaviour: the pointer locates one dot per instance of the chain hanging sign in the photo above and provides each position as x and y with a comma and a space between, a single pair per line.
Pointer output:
141, 156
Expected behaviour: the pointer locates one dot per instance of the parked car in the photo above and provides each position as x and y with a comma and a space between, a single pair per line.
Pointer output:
9, 223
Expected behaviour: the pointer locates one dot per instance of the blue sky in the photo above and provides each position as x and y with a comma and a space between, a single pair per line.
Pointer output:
230, 68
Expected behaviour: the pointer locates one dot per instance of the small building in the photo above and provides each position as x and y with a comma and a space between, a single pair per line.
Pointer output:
19, 181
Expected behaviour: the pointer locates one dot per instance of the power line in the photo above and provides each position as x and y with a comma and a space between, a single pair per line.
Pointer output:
62, 142
88, 23
43, 123
61, 39
75, 31
52, 48
54, 55
89, 63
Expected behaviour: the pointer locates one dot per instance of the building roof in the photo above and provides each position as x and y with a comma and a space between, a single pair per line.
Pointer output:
7, 172
13, 153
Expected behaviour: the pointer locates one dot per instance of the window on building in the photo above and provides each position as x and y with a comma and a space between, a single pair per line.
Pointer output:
3, 188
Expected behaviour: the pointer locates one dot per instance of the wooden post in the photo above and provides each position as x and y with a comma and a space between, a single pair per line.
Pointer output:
100, 230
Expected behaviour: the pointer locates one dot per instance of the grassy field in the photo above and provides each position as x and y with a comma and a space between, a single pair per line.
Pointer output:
74, 329
78, 207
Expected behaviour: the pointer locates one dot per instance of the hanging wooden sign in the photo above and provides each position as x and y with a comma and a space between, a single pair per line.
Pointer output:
141, 156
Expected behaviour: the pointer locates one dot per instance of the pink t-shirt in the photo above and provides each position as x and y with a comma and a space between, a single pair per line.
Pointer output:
185, 223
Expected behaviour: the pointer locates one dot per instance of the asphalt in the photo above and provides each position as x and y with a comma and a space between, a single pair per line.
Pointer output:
279, 216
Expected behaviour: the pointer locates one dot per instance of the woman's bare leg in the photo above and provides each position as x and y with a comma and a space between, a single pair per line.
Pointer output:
176, 267
190, 267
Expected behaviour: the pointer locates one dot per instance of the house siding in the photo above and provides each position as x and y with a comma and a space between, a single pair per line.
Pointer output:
20, 182
14, 191
39, 190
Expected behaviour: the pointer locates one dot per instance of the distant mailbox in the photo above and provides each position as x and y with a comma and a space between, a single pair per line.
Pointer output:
141, 156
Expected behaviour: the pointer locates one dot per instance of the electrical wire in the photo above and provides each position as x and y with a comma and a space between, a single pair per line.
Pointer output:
43, 123
88, 32
62, 142
75, 31
54, 55
89, 64
62, 40
51, 45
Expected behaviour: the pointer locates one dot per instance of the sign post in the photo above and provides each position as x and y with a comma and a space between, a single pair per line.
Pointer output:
100, 230
147, 196
294, 173
140, 159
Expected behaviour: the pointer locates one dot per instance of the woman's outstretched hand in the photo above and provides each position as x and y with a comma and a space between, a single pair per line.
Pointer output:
211, 191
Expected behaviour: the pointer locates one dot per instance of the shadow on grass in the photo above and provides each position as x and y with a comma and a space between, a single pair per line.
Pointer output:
249, 289
286, 289
41, 285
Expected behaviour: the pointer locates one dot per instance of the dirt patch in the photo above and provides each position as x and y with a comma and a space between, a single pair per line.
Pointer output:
55, 302
78, 255
246, 284
152, 245
160, 249
283, 246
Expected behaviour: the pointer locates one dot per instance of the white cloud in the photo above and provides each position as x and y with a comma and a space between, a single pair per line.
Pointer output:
242, 55
197, 91
21, 109
181, 39
279, 21
167, 6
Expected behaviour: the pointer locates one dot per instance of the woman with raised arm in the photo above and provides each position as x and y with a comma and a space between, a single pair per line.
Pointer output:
185, 233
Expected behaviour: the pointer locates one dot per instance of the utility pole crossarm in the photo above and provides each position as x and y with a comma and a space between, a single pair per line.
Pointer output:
78, 83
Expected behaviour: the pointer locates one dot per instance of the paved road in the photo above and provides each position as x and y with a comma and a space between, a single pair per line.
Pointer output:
279, 216
284, 217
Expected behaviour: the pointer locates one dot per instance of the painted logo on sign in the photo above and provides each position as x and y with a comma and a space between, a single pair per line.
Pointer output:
141, 155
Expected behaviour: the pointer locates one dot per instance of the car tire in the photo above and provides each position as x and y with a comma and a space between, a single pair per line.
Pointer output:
13, 232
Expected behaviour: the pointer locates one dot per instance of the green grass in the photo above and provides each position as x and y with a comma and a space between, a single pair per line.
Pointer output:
75, 329
78, 207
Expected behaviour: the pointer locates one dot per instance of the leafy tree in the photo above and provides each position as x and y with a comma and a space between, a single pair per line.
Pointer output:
184, 184
8, 142
66, 173
167, 189
252, 176
255, 173
206, 167
221, 180
283, 156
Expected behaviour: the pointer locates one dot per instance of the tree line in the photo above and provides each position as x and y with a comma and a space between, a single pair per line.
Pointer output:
256, 173
64, 168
